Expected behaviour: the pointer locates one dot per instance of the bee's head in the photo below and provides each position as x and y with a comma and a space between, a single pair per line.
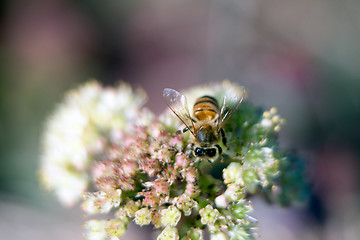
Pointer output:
208, 152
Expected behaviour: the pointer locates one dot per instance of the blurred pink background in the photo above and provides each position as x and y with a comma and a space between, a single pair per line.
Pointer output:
299, 56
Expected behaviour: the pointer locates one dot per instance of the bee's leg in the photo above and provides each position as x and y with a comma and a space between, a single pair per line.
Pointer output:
223, 136
219, 148
182, 131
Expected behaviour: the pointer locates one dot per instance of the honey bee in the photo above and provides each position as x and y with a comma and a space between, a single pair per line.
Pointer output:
206, 125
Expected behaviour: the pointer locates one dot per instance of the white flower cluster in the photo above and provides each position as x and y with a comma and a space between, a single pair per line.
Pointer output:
101, 202
271, 120
143, 172
254, 171
97, 229
79, 129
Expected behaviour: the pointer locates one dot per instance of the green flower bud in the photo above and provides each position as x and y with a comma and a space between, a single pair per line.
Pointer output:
240, 210
251, 180
193, 234
239, 233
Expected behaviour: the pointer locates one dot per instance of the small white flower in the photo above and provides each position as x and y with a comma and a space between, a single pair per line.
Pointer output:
95, 229
169, 233
209, 215
101, 202
170, 216
143, 216
234, 192
218, 236
233, 173
105, 229
266, 123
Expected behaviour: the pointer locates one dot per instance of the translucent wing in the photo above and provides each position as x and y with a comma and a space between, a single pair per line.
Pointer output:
177, 103
231, 103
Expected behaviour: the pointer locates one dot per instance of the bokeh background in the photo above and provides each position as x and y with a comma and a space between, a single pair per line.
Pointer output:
301, 56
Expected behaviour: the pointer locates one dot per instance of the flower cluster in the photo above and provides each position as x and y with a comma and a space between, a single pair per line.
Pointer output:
141, 171
80, 128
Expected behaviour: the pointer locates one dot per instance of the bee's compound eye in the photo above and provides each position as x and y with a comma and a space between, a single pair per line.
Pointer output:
199, 152
211, 152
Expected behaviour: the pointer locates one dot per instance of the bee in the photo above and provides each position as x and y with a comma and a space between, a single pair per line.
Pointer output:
206, 125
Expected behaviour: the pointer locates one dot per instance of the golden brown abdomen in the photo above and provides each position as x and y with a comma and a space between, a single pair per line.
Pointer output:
206, 108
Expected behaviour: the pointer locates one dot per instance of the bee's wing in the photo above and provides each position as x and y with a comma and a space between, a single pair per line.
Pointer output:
177, 103
231, 103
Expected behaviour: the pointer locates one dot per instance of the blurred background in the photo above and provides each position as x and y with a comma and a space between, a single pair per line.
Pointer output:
302, 57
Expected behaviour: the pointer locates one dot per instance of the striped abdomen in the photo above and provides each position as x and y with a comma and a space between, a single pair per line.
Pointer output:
206, 108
